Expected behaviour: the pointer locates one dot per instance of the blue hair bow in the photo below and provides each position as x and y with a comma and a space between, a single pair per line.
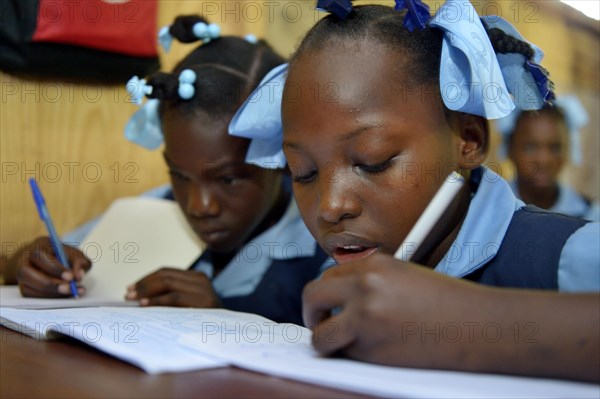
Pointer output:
527, 81
576, 118
417, 14
165, 39
471, 80
259, 119
143, 128
341, 8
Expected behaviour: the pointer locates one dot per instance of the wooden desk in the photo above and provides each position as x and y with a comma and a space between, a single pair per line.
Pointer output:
70, 369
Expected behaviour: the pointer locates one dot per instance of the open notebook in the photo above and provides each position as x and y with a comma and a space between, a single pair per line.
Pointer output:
160, 340
134, 237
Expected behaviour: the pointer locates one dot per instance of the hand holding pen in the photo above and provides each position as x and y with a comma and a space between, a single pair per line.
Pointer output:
375, 297
37, 267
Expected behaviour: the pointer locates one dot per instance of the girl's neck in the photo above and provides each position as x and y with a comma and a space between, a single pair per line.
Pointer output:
544, 198
440, 240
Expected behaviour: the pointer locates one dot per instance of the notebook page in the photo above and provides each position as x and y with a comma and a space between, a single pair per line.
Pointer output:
288, 353
10, 297
145, 337
135, 237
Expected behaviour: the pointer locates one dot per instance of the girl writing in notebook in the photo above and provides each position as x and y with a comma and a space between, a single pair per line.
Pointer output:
379, 106
259, 254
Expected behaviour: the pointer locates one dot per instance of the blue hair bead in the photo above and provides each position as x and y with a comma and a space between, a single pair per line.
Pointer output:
186, 91
214, 31
200, 29
137, 89
187, 76
251, 39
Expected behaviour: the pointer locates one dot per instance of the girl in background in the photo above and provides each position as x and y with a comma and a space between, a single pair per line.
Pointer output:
538, 144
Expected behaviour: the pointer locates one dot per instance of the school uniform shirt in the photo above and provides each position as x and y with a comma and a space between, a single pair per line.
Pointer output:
268, 274
570, 203
503, 242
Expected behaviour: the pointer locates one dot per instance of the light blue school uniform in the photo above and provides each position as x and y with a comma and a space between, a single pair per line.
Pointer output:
570, 203
503, 242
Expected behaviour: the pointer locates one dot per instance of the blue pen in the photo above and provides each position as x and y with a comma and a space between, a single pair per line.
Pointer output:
40, 203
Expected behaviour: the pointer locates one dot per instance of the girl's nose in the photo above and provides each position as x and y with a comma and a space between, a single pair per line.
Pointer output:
202, 203
337, 200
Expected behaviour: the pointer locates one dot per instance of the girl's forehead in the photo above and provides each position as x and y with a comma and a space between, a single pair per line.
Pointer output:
343, 77
354, 81
541, 125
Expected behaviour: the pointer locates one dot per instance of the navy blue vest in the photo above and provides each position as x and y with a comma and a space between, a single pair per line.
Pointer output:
530, 252
279, 294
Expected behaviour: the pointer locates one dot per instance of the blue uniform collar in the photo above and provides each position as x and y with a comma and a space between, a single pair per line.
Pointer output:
488, 217
287, 239
567, 203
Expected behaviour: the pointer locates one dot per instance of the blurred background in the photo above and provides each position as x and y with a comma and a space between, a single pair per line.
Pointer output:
68, 134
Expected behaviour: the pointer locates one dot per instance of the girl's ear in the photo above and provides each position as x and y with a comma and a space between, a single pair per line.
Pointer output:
474, 140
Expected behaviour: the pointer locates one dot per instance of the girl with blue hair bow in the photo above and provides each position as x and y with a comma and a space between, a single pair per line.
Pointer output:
539, 143
259, 254
379, 106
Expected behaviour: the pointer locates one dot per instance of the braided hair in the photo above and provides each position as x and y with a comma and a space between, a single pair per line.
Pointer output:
227, 70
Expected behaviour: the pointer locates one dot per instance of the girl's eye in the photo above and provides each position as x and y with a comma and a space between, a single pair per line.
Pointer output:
556, 149
178, 176
228, 179
377, 168
530, 148
307, 178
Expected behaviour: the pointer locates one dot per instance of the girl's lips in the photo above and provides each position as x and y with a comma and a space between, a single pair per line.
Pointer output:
351, 253
213, 237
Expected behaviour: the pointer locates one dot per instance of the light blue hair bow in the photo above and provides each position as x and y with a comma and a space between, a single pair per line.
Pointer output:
576, 118
472, 80
143, 128
519, 74
259, 119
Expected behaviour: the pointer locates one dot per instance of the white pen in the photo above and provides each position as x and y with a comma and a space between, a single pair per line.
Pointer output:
430, 217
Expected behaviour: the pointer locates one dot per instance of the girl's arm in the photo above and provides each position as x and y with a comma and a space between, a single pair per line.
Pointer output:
406, 315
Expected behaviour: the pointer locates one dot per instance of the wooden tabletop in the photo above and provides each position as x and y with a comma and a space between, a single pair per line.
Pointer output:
70, 369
